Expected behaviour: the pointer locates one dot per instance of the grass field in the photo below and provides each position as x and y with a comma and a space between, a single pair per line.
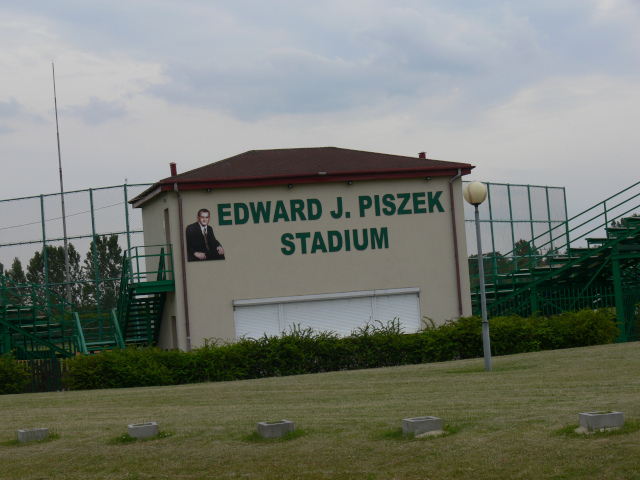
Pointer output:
510, 423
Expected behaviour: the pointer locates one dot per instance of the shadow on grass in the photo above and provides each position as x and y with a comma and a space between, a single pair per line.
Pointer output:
396, 434
15, 442
630, 426
255, 437
126, 438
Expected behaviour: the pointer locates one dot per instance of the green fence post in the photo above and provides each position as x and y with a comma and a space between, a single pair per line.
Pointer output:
493, 240
44, 255
534, 300
3, 335
546, 191
126, 216
138, 265
513, 237
95, 255
532, 249
619, 298
5, 345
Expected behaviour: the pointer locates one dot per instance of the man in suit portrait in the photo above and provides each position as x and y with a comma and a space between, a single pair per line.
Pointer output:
201, 242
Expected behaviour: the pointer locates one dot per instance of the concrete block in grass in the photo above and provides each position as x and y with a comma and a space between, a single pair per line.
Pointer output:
275, 429
599, 420
143, 430
33, 434
420, 425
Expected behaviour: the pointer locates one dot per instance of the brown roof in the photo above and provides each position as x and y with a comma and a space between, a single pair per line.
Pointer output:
303, 165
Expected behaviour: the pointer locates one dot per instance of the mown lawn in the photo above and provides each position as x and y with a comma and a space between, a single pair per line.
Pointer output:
506, 424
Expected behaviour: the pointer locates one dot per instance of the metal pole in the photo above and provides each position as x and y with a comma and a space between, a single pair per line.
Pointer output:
550, 228
494, 260
532, 247
44, 256
486, 344
67, 269
95, 238
617, 289
126, 216
513, 238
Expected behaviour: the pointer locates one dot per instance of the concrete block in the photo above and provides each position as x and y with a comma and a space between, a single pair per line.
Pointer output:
143, 430
275, 429
32, 435
420, 425
598, 420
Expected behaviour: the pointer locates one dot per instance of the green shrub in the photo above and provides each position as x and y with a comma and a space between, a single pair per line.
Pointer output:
13, 375
307, 351
131, 367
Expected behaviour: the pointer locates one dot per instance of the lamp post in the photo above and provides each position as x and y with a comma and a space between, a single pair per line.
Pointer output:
475, 193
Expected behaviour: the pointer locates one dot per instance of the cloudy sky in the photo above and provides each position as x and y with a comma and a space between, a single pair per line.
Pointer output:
542, 92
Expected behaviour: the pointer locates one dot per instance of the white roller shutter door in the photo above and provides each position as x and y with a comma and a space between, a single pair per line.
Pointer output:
340, 312
255, 321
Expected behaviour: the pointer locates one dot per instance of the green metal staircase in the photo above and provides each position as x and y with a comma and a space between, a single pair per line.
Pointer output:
35, 323
590, 261
143, 293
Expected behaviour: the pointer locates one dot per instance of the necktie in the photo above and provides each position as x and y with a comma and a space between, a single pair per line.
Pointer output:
206, 242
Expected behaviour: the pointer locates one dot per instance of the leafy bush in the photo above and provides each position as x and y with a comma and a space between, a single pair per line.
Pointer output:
131, 367
306, 351
13, 375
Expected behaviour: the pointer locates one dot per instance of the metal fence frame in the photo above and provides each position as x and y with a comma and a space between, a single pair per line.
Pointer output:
538, 220
126, 224
49, 217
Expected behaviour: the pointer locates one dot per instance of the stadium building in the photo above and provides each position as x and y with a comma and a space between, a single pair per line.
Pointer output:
327, 238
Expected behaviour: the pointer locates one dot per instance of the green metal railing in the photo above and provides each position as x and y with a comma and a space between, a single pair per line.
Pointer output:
35, 322
576, 229
141, 257
140, 280
599, 263
513, 214
30, 224
96, 334
82, 345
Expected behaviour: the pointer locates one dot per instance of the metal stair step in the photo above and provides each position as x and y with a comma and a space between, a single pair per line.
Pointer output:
101, 343
597, 241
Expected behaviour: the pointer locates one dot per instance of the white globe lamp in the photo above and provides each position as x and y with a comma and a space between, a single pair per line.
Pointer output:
475, 193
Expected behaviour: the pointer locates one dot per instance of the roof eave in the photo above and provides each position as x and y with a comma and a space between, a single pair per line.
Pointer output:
145, 196
315, 177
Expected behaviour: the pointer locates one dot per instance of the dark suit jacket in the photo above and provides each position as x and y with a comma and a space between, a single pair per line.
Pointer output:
196, 243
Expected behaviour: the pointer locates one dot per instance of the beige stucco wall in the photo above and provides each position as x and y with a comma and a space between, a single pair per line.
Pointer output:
155, 233
420, 250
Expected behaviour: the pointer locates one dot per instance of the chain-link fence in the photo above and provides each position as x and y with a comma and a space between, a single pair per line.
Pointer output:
100, 227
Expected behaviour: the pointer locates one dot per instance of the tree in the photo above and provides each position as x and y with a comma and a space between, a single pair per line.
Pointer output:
107, 260
491, 262
526, 256
16, 273
57, 271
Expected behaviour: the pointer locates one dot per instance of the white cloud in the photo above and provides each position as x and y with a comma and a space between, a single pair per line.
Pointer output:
97, 112
531, 92
10, 108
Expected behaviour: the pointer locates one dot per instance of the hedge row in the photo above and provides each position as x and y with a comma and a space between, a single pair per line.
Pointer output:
306, 351
13, 375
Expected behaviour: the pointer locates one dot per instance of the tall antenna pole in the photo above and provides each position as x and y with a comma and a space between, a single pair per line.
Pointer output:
64, 217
